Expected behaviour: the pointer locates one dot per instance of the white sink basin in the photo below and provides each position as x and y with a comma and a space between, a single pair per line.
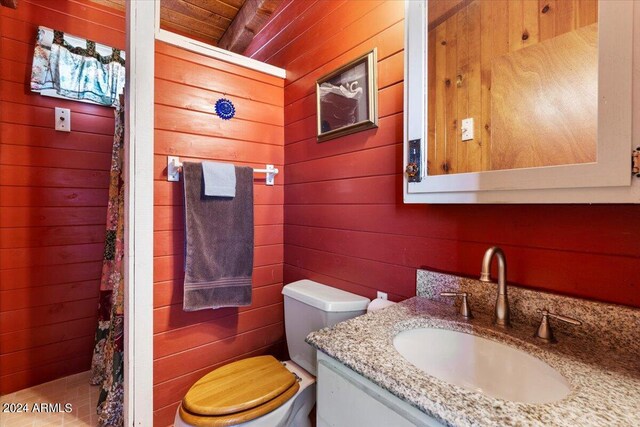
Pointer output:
481, 365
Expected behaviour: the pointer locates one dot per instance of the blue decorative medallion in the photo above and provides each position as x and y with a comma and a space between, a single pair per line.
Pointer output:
225, 109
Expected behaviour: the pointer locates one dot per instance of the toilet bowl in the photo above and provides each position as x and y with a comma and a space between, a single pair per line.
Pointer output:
260, 391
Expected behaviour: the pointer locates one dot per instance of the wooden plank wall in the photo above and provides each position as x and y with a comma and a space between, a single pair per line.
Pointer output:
345, 223
187, 345
327, 183
544, 103
463, 47
53, 198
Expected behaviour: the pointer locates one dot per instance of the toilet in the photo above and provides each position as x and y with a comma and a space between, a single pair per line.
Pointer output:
261, 391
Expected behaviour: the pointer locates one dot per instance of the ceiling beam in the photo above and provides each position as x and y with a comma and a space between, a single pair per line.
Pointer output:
13, 4
440, 11
251, 17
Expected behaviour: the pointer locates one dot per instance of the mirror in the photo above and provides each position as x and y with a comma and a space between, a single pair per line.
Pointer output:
512, 84
518, 101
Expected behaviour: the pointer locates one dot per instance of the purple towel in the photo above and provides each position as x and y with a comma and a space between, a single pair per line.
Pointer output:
218, 242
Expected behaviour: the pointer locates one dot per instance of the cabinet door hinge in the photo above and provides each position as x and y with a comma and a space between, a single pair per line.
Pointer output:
635, 162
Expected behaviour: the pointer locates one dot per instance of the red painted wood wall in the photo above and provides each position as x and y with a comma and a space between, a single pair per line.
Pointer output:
187, 345
53, 197
339, 219
345, 223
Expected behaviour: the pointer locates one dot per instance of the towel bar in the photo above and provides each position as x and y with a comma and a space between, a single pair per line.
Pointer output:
174, 167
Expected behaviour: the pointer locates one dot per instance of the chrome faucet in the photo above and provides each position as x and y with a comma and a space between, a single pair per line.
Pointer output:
502, 317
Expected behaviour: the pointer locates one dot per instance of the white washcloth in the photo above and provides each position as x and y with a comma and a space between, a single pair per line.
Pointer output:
219, 179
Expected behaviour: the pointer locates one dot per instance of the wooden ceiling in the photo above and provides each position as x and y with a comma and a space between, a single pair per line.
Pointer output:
229, 24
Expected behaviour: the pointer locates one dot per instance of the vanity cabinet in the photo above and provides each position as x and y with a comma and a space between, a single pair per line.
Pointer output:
347, 399
516, 115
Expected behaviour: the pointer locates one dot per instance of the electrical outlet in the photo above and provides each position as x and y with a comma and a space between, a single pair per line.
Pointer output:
381, 295
63, 119
467, 129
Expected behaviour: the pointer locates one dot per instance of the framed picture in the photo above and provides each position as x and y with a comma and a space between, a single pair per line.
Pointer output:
347, 98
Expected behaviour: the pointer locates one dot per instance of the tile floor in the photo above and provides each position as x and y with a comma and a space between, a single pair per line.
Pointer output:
74, 390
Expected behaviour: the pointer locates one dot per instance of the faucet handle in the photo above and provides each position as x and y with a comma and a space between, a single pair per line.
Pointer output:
544, 331
465, 311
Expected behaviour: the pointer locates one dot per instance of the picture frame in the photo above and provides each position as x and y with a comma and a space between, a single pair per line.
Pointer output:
347, 98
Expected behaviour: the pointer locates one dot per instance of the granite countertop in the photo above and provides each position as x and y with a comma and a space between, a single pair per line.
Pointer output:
605, 381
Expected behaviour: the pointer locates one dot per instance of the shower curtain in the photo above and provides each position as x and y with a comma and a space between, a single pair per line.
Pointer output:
107, 367
72, 67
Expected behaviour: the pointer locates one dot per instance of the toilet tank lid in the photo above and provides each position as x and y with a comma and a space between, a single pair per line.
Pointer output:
325, 297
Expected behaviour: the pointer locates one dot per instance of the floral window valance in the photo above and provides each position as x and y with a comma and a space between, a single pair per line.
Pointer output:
75, 68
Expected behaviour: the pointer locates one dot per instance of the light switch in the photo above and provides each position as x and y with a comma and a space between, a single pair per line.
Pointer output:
467, 129
63, 119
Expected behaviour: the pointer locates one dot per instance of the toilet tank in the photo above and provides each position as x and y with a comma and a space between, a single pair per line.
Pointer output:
310, 306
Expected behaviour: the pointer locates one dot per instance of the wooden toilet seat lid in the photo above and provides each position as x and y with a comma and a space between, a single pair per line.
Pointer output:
239, 417
239, 386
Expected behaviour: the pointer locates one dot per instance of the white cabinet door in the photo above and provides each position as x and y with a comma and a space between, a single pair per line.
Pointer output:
347, 399
607, 180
